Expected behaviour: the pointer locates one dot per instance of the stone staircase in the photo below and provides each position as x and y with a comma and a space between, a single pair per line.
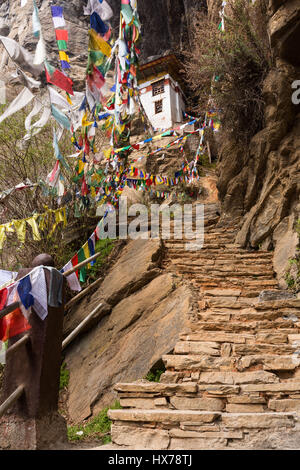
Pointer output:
233, 379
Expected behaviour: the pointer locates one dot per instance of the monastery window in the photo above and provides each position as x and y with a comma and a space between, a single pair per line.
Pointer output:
158, 87
158, 106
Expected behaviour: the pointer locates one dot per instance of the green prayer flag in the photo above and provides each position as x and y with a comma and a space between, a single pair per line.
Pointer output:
127, 13
81, 257
62, 45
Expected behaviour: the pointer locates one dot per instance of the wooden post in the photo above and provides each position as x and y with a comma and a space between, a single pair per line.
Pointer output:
33, 422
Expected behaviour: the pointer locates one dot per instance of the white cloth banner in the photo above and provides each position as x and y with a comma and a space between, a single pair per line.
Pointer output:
6, 276
21, 56
22, 100
103, 9
38, 126
2, 353
28, 81
72, 280
40, 52
75, 155
58, 22
56, 98
35, 110
39, 292
36, 24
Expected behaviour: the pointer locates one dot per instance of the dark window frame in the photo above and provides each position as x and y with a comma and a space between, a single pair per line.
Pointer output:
158, 88
158, 106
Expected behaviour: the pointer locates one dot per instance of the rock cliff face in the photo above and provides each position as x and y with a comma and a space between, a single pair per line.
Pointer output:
165, 26
263, 183
141, 313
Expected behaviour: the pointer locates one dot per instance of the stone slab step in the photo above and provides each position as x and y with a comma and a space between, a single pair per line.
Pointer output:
254, 263
197, 347
153, 387
217, 337
263, 420
235, 327
163, 416
222, 271
240, 255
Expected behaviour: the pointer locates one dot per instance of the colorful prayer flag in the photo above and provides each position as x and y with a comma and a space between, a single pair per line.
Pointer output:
62, 35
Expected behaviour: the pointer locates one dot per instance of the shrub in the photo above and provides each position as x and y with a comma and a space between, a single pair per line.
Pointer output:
97, 428
226, 70
64, 377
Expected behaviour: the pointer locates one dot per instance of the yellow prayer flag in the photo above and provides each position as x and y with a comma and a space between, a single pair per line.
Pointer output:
60, 216
69, 101
97, 43
81, 166
20, 227
86, 252
107, 153
64, 56
85, 122
2, 236
35, 230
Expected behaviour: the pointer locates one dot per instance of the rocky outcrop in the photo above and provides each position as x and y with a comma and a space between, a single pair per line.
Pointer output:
143, 313
262, 183
165, 26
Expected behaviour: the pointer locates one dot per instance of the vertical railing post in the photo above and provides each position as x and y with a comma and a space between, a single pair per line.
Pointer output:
33, 422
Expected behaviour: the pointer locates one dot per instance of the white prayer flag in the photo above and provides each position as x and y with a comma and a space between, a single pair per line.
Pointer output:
56, 98
40, 53
22, 100
59, 22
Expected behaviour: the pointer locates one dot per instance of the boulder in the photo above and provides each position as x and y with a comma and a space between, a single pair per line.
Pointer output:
125, 345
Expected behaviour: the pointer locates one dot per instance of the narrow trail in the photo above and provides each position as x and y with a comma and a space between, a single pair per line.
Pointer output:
232, 379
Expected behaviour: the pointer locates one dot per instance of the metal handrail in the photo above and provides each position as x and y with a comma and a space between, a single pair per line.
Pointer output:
82, 264
19, 343
9, 309
11, 400
80, 327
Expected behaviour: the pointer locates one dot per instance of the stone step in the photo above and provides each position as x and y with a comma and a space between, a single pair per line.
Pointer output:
239, 315
254, 420
216, 349
202, 362
164, 416
181, 245
217, 337
208, 240
155, 388
205, 253
234, 327
222, 270
198, 262
198, 347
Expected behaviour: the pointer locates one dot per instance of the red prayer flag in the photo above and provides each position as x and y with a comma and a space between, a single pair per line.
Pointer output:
3, 298
60, 80
62, 35
95, 79
74, 262
13, 324
84, 188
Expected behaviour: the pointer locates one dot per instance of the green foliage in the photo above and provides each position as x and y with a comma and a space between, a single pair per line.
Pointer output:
292, 275
154, 375
105, 247
97, 428
227, 68
64, 377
